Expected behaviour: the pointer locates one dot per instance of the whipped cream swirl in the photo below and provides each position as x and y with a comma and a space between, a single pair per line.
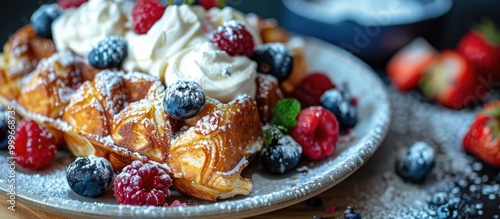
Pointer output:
180, 27
82, 28
222, 76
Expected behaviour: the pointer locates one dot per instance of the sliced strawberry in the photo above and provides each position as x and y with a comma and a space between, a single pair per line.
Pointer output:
483, 139
65, 4
451, 81
481, 48
407, 67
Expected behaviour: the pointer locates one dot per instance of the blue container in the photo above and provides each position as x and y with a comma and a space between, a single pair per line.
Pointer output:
371, 29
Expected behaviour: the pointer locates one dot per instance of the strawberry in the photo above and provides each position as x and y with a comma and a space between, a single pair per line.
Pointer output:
452, 82
481, 47
145, 13
406, 68
483, 137
65, 4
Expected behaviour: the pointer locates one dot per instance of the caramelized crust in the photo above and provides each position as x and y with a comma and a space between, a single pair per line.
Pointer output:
20, 56
97, 103
48, 89
205, 157
268, 94
208, 158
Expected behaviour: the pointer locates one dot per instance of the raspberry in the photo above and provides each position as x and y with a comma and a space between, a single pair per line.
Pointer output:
208, 4
65, 4
233, 38
308, 92
142, 184
145, 13
35, 145
317, 131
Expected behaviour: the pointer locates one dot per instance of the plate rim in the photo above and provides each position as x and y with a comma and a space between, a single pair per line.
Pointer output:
225, 208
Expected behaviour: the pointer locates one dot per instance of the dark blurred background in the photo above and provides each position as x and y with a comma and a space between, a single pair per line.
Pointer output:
443, 32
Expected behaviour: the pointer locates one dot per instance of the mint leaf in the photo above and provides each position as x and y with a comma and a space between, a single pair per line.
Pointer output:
221, 3
272, 135
285, 114
189, 2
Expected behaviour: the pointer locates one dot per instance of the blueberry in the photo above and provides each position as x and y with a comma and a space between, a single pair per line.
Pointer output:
184, 100
350, 213
275, 59
109, 53
89, 176
282, 156
417, 163
340, 103
4, 128
439, 198
447, 211
42, 18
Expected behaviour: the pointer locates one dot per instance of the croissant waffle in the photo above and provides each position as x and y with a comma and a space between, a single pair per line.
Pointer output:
22, 52
205, 157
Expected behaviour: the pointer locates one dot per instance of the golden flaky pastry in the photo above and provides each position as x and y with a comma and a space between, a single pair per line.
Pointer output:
48, 89
120, 116
20, 56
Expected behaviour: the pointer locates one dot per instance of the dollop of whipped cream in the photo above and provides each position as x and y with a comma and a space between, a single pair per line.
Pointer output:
222, 76
180, 27
82, 28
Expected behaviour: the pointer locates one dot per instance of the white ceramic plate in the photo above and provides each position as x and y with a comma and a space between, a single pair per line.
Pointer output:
49, 191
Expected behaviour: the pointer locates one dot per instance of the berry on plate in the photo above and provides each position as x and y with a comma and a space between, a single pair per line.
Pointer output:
275, 59
350, 213
417, 162
184, 100
142, 184
89, 176
109, 53
145, 13
233, 37
451, 81
4, 128
66, 4
208, 4
317, 131
483, 136
447, 211
340, 103
282, 155
35, 145
481, 48
406, 68
310, 89
41, 20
